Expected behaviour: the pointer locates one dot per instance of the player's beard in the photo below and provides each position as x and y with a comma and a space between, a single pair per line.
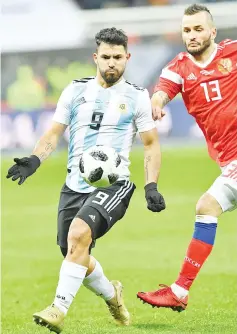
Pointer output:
200, 49
111, 78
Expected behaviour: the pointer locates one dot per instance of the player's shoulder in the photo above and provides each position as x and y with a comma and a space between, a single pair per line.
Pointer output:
227, 43
82, 81
178, 61
134, 87
227, 46
76, 87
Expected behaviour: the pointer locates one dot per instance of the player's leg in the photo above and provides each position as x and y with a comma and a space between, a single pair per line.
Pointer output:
95, 279
222, 196
97, 282
88, 224
75, 265
207, 212
75, 235
111, 203
110, 291
176, 296
72, 273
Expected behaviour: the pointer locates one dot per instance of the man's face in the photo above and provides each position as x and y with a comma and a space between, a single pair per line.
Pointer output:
111, 61
198, 32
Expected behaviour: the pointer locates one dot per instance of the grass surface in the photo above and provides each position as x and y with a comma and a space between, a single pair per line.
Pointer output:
142, 250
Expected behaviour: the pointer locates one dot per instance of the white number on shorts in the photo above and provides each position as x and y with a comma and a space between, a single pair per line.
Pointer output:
102, 197
216, 89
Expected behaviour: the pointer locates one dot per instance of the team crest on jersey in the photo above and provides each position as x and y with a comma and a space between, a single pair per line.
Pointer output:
225, 66
122, 108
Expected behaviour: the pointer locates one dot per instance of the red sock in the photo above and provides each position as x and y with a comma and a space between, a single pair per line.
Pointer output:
197, 253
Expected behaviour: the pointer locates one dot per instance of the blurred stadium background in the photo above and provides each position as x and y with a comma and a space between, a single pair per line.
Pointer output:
45, 44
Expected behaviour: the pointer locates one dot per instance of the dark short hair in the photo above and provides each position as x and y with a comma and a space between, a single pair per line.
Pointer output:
197, 8
112, 36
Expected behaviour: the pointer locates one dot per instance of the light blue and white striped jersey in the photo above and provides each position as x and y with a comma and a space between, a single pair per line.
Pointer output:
102, 116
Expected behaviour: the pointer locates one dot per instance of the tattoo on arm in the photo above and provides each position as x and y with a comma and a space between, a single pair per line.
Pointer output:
48, 148
163, 97
147, 161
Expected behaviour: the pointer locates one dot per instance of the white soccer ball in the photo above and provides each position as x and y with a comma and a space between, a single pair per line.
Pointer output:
99, 166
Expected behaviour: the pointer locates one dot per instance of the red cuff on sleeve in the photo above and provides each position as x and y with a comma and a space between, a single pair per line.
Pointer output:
169, 87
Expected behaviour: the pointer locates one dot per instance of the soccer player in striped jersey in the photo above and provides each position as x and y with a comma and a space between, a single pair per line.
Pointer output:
101, 110
206, 76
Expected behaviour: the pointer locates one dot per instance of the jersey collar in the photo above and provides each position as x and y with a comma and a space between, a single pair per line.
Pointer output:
121, 82
203, 65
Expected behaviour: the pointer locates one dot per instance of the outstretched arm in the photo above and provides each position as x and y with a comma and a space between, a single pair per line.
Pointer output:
27, 166
49, 141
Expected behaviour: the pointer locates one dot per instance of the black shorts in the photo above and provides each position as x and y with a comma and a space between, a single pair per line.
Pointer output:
100, 209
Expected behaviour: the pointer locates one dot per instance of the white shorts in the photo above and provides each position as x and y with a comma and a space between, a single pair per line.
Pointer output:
224, 189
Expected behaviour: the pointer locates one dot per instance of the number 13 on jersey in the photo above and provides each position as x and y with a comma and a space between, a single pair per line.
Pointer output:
212, 88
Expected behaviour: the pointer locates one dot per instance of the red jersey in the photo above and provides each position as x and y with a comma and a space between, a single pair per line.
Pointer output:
209, 92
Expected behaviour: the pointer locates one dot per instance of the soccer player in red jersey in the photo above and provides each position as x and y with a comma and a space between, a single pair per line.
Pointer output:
206, 76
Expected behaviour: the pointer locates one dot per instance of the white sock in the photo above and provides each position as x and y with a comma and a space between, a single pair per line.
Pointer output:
70, 279
99, 283
180, 292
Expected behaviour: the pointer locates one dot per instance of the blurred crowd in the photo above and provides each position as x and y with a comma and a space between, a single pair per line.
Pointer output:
97, 4
34, 80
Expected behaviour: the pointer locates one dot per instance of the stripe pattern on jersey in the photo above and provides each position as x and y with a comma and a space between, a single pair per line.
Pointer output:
83, 79
135, 86
230, 42
118, 196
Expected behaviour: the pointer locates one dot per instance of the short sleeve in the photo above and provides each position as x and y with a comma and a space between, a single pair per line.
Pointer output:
143, 120
62, 112
170, 80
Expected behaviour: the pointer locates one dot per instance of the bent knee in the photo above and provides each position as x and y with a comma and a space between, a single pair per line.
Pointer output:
208, 205
80, 232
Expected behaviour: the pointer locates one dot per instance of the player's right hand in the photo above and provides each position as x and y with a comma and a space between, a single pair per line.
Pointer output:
23, 168
157, 113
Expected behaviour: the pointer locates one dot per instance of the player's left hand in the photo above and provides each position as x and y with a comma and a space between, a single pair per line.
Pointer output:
23, 168
155, 201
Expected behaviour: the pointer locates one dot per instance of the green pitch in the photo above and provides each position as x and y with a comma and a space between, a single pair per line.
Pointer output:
142, 250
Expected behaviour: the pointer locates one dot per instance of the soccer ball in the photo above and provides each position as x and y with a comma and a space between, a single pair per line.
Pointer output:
99, 166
